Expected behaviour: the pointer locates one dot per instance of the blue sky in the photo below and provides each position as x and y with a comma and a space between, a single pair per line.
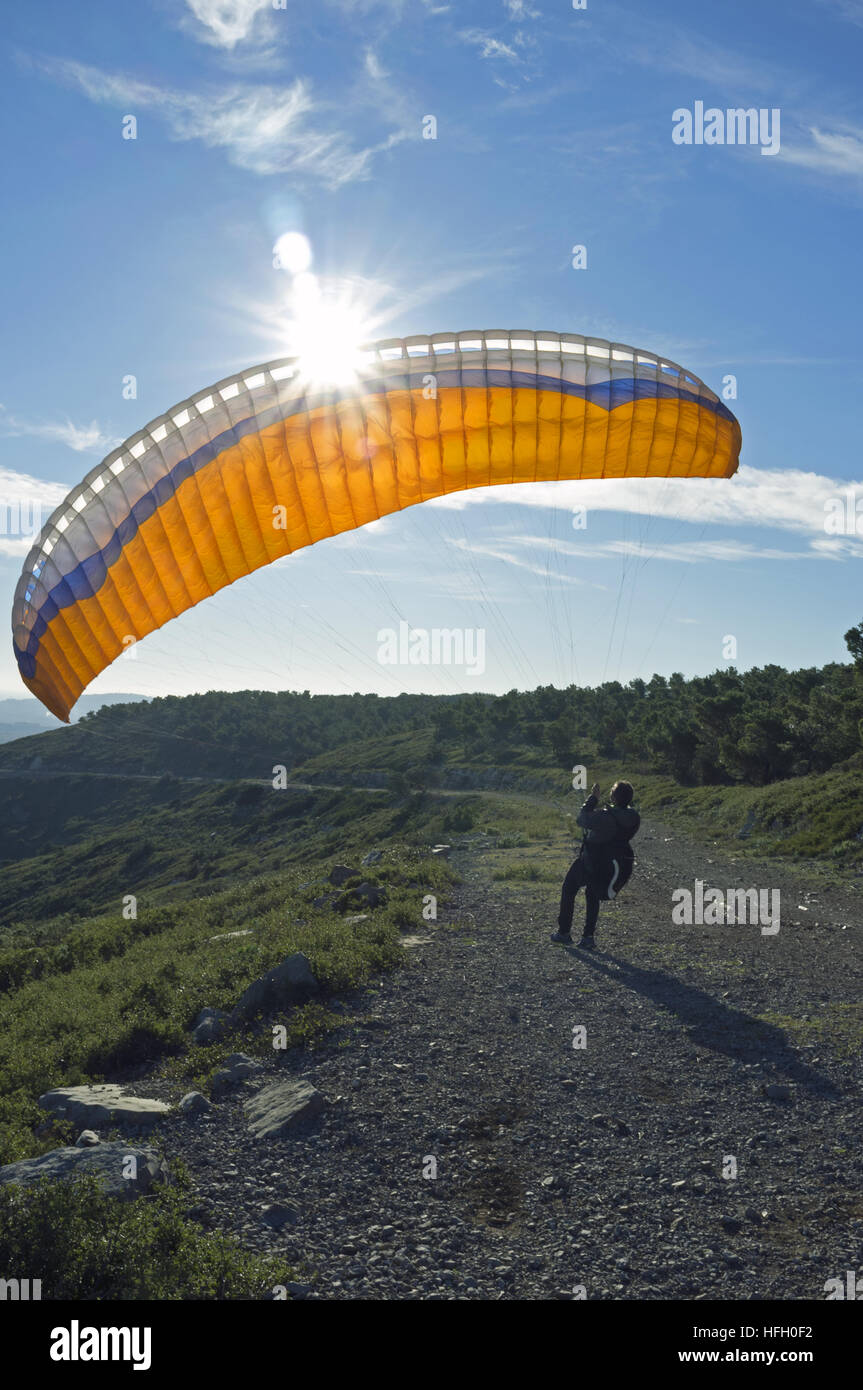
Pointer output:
154, 257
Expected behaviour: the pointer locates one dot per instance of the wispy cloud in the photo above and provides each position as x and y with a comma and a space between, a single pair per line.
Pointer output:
836, 152
266, 129
852, 10
377, 90
398, 8
695, 552
516, 52
627, 36
789, 500
519, 10
228, 23
823, 145
488, 45
82, 438
687, 552
25, 505
707, 62
504, 552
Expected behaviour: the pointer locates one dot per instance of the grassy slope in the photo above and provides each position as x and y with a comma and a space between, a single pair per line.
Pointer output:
177, 840
86, 998
87, 994
816, 817
814, 821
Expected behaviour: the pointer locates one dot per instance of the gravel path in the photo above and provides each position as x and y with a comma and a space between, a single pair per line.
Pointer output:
559, 1167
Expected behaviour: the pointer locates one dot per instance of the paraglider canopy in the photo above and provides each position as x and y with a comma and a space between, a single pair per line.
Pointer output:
267, 462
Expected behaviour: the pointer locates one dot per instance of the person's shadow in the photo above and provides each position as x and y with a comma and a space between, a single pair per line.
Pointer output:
713, 1024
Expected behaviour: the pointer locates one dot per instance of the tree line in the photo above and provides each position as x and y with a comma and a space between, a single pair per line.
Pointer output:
754, 727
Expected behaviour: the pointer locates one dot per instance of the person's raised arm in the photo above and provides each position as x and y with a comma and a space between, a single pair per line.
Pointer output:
588, 817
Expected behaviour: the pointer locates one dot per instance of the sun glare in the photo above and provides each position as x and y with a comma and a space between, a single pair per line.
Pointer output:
327, 326
327, 338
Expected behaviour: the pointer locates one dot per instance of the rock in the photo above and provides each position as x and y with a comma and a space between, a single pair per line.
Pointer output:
374, 856
373, 893
442, 850
778, 1092
86, 1139
290, 982
195, 1104
340, 874
746, 829
276, 1215
731, 1224
102, 1106
106, 1162
211, 1025
411, 942
357, 917
327, 900
229, 935
370, 894
238, 1068
208, 1013
281, 1107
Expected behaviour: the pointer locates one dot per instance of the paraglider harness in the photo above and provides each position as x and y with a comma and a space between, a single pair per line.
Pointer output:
609, 863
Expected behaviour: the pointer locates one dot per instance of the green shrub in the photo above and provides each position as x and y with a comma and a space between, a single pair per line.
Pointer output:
83, 1245
526, 873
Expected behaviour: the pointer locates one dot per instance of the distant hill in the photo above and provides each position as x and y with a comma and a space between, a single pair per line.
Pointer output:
29, 712
10, 731
217, 735
753, 727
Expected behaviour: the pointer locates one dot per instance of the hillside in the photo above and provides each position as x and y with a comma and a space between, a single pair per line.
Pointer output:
447, 1036
555, 1168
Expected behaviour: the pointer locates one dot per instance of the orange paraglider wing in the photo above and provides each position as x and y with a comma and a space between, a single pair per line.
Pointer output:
265, 463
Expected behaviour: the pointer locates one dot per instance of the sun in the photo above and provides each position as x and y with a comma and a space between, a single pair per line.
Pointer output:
328, 320
327, 337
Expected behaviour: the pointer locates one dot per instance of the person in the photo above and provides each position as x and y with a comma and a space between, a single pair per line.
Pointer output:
604, 862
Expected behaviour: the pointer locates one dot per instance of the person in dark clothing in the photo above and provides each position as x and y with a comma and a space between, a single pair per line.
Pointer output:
604, 861
575, 879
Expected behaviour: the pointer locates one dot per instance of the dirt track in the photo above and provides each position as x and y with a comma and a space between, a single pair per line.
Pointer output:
559, 1167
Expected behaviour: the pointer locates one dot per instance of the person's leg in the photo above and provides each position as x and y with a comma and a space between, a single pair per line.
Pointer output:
574, 880
591, 901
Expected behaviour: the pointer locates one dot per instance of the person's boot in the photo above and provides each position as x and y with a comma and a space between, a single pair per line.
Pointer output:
587, 943
564, 937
